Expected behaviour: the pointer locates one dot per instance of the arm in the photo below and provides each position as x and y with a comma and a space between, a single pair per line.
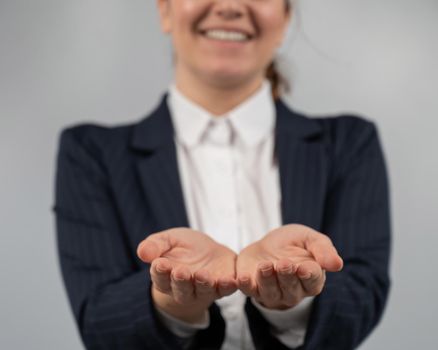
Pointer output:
357, 220
110, 297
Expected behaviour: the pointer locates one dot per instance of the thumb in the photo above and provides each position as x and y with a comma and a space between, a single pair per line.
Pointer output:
154, 246
324, 252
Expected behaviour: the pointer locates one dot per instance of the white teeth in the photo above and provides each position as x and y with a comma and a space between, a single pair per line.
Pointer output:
226, 35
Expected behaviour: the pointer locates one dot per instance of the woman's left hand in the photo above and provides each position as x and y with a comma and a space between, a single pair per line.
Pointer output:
287, 265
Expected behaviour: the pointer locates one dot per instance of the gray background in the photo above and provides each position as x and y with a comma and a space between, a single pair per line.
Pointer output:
63, 62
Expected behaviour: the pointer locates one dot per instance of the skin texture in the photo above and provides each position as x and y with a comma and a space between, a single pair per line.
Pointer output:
287, 265
219, 75
189, 270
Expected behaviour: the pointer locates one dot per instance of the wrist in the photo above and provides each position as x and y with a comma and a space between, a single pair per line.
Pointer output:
190, 313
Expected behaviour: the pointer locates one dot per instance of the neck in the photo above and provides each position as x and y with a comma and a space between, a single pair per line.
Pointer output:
220, 98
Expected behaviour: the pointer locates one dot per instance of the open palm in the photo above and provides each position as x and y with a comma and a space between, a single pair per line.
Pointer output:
189, 270
287, 265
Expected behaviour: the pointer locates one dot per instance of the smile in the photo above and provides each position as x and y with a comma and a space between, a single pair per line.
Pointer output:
226, 35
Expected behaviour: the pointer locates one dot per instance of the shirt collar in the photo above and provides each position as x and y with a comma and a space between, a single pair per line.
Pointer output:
252, 120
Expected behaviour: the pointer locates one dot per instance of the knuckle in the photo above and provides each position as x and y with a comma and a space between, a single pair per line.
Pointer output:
291, 302
316, 290
163, 289
289, 285
272, 295
204, 291
290, 293
178, 298
182, 298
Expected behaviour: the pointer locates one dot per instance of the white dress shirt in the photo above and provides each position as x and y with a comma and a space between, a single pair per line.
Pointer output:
231, 189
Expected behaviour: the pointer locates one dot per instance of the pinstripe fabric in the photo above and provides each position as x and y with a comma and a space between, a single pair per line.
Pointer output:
335, 181
114, 186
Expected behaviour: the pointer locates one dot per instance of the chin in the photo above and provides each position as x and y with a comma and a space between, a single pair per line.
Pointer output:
228, 76
227, 79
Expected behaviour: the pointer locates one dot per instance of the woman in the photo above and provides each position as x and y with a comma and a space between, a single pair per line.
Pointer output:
212, 222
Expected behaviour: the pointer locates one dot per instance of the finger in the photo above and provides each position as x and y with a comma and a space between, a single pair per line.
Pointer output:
267, 285
160, 275
288, 281
226, 286
246, 284
182, 285
154, 246
324, 251
204, 285
290, 285
312, 277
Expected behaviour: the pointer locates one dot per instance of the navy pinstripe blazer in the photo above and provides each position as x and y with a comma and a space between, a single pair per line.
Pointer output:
115, 186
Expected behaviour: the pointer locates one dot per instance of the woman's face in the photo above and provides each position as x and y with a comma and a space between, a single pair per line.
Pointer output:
224, 41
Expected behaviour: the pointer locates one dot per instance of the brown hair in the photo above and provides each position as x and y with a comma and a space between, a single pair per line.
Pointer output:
278, 82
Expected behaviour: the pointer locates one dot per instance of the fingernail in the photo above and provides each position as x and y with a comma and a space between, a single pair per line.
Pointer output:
161, 269
203, 283
181, 277
244, 280
306, 276
286, 270
267, 272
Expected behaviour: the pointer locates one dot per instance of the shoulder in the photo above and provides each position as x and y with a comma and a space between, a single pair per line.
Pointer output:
91, 135
341, 132
97, 138
348, 139
347, 132
87, 143
90, 148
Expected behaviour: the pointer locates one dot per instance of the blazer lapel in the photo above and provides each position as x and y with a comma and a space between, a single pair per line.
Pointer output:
303, 166
157, 166
299, 149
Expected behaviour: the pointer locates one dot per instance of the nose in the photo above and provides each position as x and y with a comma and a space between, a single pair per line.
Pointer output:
229, 9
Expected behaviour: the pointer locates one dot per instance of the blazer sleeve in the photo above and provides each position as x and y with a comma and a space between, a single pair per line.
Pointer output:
110, 296
357, 219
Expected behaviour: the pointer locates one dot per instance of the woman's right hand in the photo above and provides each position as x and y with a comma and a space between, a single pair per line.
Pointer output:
189, 271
